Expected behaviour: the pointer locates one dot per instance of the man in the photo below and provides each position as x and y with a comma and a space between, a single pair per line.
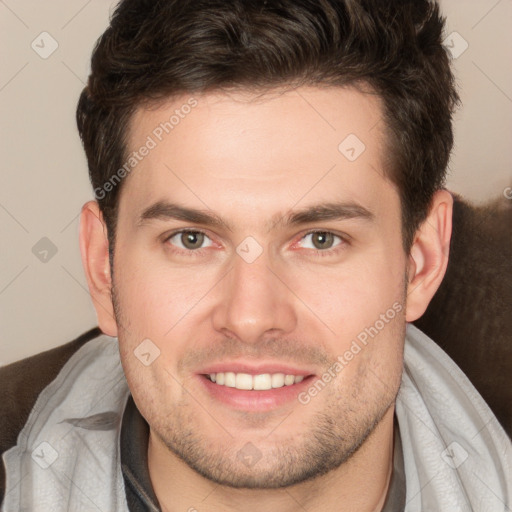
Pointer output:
270, 216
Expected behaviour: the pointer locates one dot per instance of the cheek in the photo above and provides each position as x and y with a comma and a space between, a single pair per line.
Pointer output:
353, 295
362, 303
151, 387
150, 371
154, 297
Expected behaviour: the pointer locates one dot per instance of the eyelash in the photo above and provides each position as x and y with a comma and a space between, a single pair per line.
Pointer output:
317, 252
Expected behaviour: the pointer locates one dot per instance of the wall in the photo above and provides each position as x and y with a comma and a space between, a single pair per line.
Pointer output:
44, 300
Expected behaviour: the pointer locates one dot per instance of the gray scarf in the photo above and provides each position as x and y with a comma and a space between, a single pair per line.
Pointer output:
457, 457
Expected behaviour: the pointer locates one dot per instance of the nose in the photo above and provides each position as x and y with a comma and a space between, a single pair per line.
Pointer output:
254, 301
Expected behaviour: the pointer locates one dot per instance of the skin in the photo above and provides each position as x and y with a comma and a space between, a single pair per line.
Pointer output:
250, 159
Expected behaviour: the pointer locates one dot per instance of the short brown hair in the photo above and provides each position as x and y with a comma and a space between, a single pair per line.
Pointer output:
157, 49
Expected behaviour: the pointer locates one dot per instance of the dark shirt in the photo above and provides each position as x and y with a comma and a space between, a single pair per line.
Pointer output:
139, 491
134, 461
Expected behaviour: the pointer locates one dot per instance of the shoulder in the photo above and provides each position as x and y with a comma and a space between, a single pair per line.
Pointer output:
22, 381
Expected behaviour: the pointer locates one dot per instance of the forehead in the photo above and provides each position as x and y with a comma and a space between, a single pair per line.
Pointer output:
258, 153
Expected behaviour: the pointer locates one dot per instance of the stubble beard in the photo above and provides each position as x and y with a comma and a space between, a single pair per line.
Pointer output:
334, 434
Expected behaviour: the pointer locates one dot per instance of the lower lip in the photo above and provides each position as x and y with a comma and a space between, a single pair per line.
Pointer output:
254, 400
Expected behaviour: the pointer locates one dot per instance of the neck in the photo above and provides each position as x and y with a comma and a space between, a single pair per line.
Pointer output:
361, 483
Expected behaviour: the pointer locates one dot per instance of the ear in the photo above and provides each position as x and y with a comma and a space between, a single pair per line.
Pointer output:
95, 259
429, 253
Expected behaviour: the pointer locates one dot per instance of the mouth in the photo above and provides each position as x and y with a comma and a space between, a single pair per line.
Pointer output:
254, 392
248, 382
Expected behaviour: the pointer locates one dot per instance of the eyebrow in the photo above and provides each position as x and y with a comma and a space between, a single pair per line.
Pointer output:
164, 210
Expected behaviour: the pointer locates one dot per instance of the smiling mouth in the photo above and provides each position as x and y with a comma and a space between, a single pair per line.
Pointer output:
248, 382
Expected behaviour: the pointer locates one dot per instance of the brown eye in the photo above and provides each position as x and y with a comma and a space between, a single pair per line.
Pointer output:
321, 240
190, 240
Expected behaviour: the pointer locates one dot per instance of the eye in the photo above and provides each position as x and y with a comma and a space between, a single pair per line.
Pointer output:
321, 240
189, 240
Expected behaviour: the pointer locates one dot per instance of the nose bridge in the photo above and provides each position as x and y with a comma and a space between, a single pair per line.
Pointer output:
253, 301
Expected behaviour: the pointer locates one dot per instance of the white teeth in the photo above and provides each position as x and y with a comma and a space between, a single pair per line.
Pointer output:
278, 380
230, 379
243, 381
289, 380
260, 382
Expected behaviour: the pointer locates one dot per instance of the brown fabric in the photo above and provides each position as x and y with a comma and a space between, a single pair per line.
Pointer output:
470, 316
20, 385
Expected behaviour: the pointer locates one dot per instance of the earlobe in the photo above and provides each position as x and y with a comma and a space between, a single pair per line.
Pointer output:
428, 258
94, 248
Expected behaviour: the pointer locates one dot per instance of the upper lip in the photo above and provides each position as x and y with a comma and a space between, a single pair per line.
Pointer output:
255, 369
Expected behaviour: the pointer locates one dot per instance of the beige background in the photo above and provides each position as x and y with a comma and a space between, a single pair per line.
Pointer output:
44, 178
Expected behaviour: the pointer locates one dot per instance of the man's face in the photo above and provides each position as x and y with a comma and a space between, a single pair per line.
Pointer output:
256, 294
